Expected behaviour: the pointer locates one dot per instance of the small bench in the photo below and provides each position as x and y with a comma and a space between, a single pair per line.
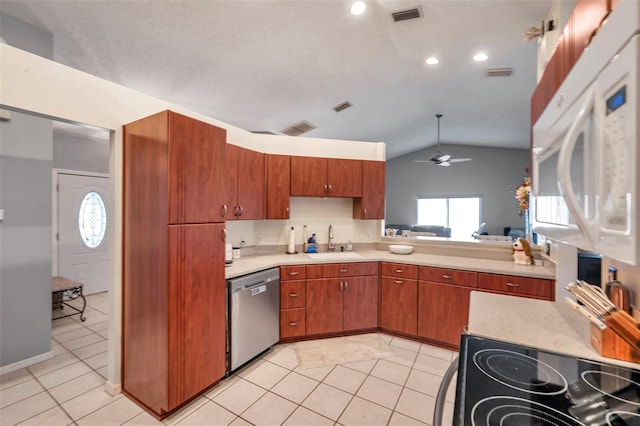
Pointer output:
64, 290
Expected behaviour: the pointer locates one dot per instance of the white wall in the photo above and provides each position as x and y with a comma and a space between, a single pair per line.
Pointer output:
74, 152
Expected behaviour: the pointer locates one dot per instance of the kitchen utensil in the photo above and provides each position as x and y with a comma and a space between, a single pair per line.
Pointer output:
592, 316
596, 302
619, 295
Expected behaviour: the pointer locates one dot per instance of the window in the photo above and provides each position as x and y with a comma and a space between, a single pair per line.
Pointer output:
92, 219
461, 214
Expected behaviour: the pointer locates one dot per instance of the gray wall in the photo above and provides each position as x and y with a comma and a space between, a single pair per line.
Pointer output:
26, 153
488, 175
74, 152
25, 238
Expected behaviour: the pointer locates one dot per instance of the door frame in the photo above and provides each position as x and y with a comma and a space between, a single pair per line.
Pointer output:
55, 173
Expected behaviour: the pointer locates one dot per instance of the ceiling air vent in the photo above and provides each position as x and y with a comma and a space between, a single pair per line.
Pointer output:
263, 132
404, 15
342, 106
499, 72
298, 128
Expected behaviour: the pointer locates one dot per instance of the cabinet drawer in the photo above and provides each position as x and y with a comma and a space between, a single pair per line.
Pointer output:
399, 270
292, 323
292, 273
342, 270
292, 294
518, 286
449, 276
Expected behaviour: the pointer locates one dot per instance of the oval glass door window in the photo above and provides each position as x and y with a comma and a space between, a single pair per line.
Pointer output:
92, 219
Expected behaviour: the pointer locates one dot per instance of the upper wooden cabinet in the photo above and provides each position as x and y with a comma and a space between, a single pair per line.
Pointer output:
178, 164
325, 177
245, 185
277, 186
371, 204
582, 25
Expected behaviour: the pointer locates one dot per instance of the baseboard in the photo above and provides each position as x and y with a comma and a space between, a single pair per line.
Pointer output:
25, 362
112, 388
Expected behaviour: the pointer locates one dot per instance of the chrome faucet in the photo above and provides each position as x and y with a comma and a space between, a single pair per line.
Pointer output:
332, 245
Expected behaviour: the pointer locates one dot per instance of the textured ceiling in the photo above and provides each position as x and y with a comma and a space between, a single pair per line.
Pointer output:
265, 65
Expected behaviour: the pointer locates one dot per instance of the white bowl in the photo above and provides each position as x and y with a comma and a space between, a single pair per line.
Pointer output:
400, 249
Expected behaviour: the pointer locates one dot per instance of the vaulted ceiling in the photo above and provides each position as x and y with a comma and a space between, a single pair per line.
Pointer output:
264, 65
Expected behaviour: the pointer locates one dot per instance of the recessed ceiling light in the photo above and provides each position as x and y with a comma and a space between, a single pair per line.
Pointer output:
432, 60
358, 8
479, 57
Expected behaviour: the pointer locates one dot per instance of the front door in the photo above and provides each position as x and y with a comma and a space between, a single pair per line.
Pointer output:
83, 225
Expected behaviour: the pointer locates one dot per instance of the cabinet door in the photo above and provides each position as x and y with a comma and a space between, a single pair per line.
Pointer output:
399, 305
443, 312
344, 178
371, 204
197, 170
250, 185
197, 303
231, 182
292, 323
585, 20
308, 176
360, 302
324, 306
277, 186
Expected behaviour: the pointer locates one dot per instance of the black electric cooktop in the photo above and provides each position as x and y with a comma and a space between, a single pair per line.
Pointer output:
504, 384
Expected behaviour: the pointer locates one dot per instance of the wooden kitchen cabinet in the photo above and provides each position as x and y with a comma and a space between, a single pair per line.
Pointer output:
346, 300
443, 303
536, 288
325, 177
174, 291
293, 289
399, 298
245, 184
371, 204
277, 186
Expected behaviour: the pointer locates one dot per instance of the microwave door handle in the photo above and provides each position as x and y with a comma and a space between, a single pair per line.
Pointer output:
564, 166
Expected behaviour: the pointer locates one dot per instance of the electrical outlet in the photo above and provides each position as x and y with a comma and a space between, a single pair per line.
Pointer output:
259, 238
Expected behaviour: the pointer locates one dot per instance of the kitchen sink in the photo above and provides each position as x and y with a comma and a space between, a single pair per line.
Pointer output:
335, 255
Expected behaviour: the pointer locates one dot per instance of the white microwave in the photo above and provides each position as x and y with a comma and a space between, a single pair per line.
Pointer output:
586, 146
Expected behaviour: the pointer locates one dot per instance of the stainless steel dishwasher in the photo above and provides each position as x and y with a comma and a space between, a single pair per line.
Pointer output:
254, 315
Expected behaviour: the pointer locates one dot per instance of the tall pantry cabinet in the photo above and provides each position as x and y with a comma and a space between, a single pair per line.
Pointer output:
174, 291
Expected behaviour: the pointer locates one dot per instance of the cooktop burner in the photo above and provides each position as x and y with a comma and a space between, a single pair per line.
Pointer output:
520, 371
503, 384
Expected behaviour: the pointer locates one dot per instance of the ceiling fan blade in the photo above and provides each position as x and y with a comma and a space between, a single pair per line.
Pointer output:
444, 164
444, 157
459, 160
422, 161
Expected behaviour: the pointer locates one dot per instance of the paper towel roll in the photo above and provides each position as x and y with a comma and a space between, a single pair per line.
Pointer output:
292, 241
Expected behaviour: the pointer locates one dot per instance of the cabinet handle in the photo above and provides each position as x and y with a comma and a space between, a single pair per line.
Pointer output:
399, 271
346, 285
293, 294
343, 270
224, 234
330, 188
293, 323
293, 273
513, 285
224, 210
287, 209
341, 286
398, 282
365, 213
325, 189
240, 210
447, 277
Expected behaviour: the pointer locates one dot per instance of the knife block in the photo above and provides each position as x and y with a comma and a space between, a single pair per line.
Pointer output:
610, 345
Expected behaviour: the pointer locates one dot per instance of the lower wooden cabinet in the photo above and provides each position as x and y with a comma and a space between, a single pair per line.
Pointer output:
292, 323
341, 304
536, 288
399, 305
443, 311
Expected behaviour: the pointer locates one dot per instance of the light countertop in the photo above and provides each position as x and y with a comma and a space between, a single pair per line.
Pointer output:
540, 324
250, 264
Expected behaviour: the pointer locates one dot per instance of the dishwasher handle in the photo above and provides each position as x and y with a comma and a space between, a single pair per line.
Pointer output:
442, 392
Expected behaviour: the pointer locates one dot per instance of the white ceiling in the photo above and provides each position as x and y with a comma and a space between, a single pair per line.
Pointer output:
264, 65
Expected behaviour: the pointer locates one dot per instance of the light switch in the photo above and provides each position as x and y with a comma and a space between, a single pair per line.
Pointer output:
1, 215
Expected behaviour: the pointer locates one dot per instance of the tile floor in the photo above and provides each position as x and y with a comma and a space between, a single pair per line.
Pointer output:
69, 388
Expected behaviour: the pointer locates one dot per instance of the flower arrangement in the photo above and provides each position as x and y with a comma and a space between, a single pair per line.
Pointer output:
522, 194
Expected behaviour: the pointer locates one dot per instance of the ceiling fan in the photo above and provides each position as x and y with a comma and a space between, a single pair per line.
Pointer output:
440, 159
